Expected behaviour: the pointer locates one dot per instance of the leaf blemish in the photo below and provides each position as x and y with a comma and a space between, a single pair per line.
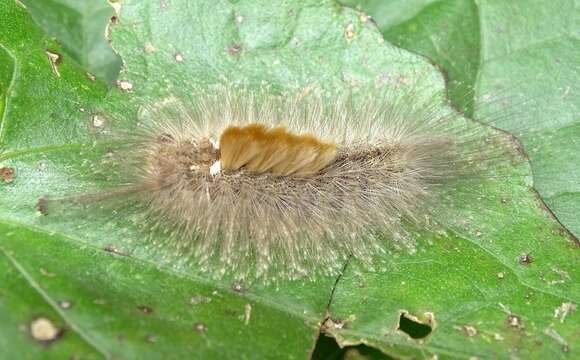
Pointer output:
247, 313
179, 57
65, 304
145, 309
468, 330
562, 311
125, 85
349, 32
7, 174
98, 122
150, 339
561, 276
46, 273
200, 327
526, 259
199, 299
41, 166
55, 60
558, 338
238, 287
234, 49
512, 319
332, 324
42, 206
113, 250
414, 327
515, 321
43, 330
149, 48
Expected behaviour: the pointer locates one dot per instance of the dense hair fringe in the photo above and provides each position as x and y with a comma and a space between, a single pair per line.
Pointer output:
400, 156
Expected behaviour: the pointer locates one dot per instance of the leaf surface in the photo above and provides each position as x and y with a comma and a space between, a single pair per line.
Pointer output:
128, 298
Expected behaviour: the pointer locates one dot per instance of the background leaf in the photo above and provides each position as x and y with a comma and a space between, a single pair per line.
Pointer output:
80, 27
520, 50
128, 298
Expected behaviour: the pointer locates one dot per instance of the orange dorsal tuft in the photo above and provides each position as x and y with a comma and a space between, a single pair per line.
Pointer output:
277, 151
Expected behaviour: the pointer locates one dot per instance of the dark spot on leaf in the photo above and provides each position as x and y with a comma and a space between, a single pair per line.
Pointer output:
114, 20
7, 174
98, 122
238, 287
515, 321
42, 205
145, 309
332, 324
526, 259
114, 250
150, 339
368, 20
234, 49
413, 327
200, 327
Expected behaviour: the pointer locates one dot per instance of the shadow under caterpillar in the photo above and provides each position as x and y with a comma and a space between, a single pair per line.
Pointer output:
262, 185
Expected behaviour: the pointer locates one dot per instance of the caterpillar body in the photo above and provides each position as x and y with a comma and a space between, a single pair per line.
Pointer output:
262, 185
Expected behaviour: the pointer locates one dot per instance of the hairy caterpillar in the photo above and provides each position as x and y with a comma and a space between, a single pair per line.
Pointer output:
257, 184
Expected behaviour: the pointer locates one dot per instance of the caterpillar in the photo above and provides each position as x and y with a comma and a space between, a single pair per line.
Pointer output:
261, 185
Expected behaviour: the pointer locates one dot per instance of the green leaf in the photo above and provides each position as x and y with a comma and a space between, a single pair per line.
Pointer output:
129, 300
120, 306
80, 27
514, 50
519, 51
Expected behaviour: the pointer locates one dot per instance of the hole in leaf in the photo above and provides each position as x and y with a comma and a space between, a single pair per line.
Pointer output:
413, 327
328, 349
